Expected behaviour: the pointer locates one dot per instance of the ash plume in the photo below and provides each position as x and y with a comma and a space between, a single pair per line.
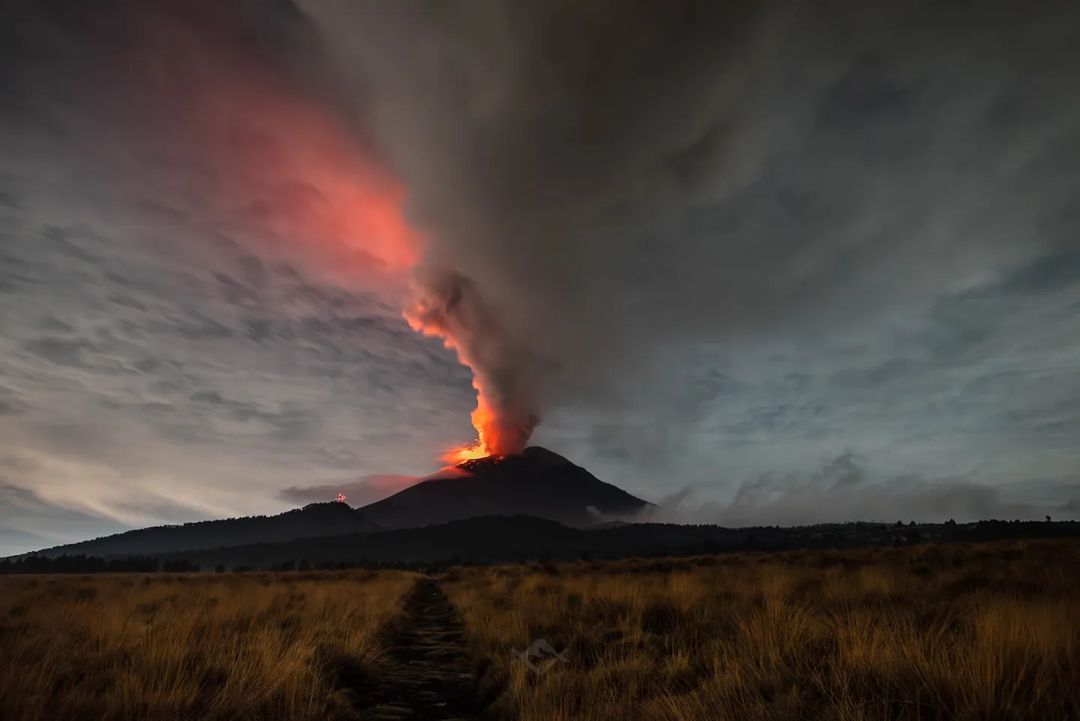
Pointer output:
625, 181
449, 306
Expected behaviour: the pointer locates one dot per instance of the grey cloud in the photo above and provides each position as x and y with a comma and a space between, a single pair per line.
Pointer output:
841, 491
63, 351
284, 420
359, 492
54, 324
259, 329
126, 301
163, 510
27, 521
779, 419
1056, 271
876, 376
13, 541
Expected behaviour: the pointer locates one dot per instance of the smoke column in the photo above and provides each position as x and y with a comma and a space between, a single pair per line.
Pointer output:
449, 306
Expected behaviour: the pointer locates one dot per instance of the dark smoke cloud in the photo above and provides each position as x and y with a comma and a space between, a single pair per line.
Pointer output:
618, 179
450, 306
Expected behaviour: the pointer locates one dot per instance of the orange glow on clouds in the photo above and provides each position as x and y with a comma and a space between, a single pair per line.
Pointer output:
340, 203
274, 159
349, 213
300, 175
292, 174
318, 188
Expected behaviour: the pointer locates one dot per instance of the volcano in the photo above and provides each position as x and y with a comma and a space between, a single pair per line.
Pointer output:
536, 482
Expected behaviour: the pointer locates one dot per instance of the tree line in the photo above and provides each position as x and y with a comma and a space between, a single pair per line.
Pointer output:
81, 563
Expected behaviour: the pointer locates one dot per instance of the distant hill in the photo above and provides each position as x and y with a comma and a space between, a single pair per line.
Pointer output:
504, 539
536, 483
499, 539
311, 521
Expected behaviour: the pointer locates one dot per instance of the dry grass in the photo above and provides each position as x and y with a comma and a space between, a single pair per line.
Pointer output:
235, 646
938, 632
954, 632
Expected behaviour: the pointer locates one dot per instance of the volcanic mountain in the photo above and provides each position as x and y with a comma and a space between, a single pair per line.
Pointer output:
536, 482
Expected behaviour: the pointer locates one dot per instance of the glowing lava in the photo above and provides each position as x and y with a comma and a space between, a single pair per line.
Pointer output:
483, 417
459, 455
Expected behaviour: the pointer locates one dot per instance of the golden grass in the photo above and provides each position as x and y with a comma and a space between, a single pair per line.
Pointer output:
988, 631
234, 646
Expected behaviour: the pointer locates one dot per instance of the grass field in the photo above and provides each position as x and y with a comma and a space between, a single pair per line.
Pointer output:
988, 631
950, 632
230, 646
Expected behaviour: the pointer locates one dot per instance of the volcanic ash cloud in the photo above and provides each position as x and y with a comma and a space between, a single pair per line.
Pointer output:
449, 306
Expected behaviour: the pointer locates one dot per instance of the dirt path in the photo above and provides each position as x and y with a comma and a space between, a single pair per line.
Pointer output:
430, 675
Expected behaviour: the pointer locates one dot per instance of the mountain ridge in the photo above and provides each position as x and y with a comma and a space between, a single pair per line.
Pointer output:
513, 539
311, 521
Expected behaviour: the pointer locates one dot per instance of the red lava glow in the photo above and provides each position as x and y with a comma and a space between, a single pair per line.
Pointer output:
316, 188
283, 166
337, 202
461, 454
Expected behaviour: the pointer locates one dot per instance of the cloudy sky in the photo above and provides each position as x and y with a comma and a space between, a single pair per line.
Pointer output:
762, 262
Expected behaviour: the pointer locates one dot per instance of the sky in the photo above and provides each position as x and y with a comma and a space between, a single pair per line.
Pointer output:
782, 262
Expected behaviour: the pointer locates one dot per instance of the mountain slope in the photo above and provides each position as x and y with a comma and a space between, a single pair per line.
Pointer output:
536, 482
311, 521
